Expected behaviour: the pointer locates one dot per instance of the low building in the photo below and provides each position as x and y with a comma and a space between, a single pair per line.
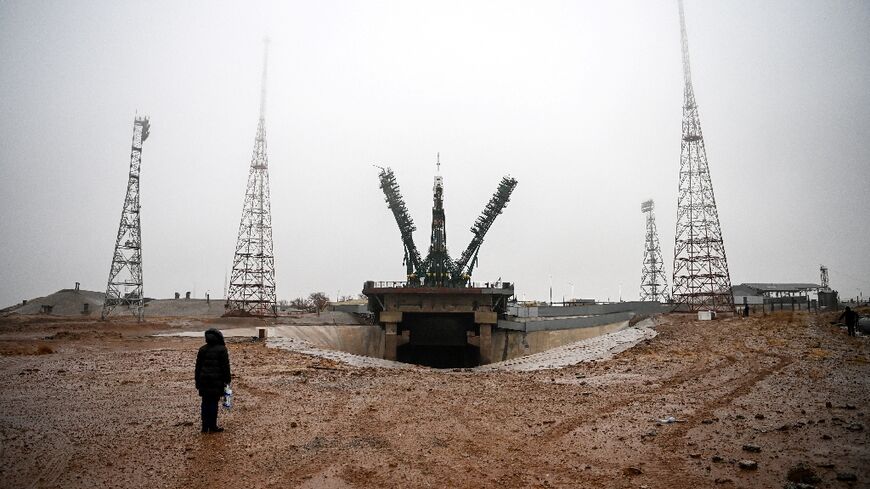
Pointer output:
775, 293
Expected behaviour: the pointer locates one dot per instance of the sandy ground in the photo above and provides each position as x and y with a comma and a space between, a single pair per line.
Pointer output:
88, 404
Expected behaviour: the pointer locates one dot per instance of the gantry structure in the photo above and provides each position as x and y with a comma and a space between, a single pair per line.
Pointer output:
124, 287
251, 290
653, 283
438, 269
701, 280
438, 306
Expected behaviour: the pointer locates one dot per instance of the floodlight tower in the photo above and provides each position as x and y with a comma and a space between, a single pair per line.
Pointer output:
701, 278
653, 284
823, 272
252, 282
124, 287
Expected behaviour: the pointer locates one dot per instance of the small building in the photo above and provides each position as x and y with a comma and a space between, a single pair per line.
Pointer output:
775, 293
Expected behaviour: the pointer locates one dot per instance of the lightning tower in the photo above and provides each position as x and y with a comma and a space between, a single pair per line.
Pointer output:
701, 278
251, 290
653, 284
124, 287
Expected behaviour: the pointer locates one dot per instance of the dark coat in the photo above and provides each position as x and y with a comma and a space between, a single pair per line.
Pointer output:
850, 316
212, 365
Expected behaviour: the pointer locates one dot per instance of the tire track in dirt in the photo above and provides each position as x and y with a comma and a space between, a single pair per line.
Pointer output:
565, 427
367, 428
50, 472
671, 444
669, 451
58, 456
741, 389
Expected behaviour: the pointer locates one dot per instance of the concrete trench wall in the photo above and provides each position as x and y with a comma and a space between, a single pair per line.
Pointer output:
506, 344
368, 340
509, 344
637, 307
364, 340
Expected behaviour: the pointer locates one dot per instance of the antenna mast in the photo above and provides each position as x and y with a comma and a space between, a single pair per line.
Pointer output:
653, 284
251, 290
701, 279
124, 287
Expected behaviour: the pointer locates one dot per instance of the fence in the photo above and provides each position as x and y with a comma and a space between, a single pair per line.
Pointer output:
772, 304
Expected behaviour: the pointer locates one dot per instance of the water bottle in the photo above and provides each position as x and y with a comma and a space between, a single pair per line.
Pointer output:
228, 397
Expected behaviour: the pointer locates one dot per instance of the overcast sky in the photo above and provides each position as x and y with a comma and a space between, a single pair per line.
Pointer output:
579, 100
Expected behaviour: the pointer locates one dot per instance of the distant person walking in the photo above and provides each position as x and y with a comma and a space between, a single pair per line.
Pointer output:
212, 374
850, 317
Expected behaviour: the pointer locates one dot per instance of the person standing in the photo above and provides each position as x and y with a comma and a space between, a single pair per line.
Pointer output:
850, 317
212, 374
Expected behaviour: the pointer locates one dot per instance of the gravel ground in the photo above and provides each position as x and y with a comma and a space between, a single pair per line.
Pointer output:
90, 404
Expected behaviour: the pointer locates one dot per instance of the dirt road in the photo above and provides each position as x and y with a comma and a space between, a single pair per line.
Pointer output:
85, 404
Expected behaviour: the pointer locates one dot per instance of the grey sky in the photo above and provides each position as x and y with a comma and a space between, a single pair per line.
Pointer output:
580, 101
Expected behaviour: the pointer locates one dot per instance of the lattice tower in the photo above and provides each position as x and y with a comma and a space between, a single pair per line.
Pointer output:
251, 290
124, 287
653, 283
823, 275
701, 279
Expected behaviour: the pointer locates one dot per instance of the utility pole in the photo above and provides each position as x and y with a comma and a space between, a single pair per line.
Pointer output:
252, 281
701, 279
653, 284
124, 287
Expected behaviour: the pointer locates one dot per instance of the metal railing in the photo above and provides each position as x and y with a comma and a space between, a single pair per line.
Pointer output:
396, 284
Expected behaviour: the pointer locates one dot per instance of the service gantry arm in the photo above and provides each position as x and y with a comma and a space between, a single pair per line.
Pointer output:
406, 225
466, 263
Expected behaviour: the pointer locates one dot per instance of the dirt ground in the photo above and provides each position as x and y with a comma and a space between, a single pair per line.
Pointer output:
89, 404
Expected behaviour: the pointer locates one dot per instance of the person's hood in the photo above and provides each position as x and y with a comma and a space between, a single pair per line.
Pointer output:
213, 336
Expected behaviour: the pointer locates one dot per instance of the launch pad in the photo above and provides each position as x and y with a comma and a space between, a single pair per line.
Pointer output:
438, 317
438, 326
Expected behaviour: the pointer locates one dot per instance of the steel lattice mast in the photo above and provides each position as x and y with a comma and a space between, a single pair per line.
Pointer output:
124, 287
653, 283
701, 279
251, 290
